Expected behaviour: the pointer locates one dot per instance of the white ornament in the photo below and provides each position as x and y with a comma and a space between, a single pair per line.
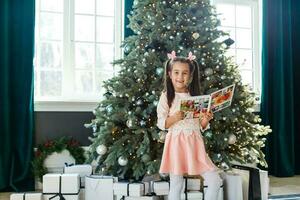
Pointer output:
208, 71
101, 149
232, 139
162, 136
122, 161
224, 166
195, 35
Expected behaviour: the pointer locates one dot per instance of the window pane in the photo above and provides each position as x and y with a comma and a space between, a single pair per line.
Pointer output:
51, 82
84, 28
231, 32
85, 6
52, 5
247, 77
243, 38
104, 56
50, 55
105, 7
243, 16
84, 55
51, 26
227, 14
84, 81
100, 77
105, 29
231, 53
244, 58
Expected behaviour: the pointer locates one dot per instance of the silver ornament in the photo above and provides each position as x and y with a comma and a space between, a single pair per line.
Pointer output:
142, 123
232, 139
139, 102
122, 161
109, 109
94, 126
159, 71
101, 149
208, 71
129, 123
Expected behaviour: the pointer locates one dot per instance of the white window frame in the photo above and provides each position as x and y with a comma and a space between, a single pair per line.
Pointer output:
78, 105
256, 42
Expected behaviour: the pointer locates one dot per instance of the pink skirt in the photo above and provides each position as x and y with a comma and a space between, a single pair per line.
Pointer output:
185, 154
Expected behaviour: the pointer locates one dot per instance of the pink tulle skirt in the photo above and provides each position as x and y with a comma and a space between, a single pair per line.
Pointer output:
185, 154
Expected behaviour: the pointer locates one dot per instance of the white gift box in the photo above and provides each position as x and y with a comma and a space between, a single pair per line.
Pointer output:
264, 183
192, 195
82, 194
26, 196
64, 183
160, 187
193, 184
232, 186
66, 197
220, 193
99, 187
56, 161
143, 198
67, 185
121, 188
138, 189
82, 170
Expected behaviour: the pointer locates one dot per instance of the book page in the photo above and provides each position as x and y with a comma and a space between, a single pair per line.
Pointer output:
222, 98
192, 106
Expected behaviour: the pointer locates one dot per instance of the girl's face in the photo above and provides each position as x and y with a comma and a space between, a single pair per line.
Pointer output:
180, 76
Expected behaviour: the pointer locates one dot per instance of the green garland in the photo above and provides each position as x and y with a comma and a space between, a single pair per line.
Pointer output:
56, 145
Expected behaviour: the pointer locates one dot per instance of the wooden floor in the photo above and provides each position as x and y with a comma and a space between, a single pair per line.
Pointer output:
278, 186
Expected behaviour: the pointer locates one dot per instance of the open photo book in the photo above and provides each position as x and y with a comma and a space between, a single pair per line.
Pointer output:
216, 101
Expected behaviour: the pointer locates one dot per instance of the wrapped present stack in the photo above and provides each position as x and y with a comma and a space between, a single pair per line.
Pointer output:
245, 182
61, 186
192, 188
82, 171
26, 196
98, 187
160, 188
132, 191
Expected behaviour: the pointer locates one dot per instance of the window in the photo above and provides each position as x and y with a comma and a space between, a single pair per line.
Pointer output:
240, 18
76, 41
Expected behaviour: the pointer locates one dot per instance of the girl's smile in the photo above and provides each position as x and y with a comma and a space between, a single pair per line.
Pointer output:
180, 76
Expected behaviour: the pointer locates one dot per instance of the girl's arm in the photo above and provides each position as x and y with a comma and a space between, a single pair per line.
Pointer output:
204, 123
162, 111
173, 119
204, 120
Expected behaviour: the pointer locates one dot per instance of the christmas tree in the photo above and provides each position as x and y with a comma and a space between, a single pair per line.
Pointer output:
126, 142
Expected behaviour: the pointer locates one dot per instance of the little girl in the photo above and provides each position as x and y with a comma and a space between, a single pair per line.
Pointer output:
184, 151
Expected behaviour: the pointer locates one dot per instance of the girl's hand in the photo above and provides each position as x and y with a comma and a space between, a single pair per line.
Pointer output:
208, 115
178, 116
205, 118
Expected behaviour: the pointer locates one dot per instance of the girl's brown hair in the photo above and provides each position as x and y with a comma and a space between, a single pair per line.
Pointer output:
194, 86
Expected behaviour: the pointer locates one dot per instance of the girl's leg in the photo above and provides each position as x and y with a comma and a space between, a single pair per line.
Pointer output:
176, 184
213, 182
